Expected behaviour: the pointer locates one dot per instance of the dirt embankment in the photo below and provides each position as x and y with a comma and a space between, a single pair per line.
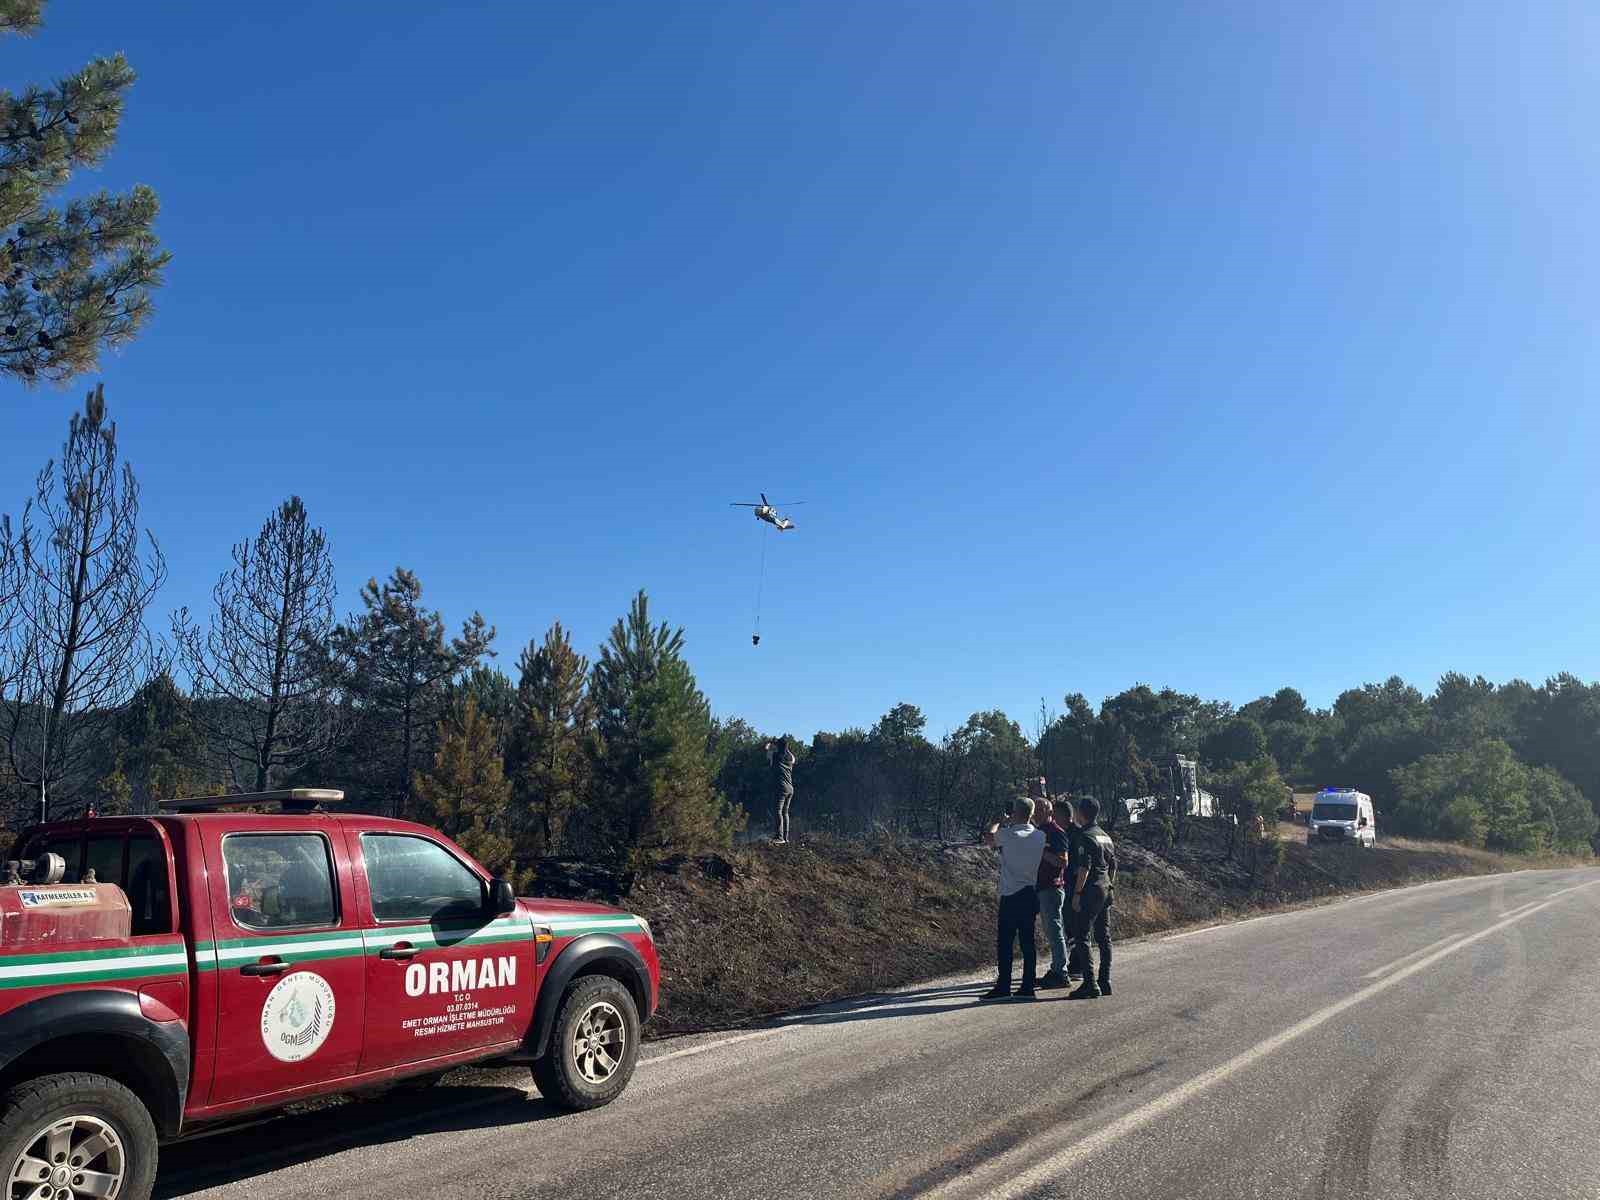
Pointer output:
766, 929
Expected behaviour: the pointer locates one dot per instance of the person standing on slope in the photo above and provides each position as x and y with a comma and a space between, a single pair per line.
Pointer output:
1020, 846
1091, 872
782, 759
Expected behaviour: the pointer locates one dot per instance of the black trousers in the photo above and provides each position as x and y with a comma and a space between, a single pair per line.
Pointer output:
1093, 914
1017, 912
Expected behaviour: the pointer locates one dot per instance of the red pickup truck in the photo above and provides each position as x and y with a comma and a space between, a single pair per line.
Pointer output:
166, 972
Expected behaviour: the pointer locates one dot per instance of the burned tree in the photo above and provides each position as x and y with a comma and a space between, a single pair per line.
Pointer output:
78, 640
10, 585
256, 672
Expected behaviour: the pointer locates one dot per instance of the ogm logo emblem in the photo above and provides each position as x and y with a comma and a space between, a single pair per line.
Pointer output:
297, 1016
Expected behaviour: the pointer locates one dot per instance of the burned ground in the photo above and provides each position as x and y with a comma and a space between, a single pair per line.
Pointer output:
765, 929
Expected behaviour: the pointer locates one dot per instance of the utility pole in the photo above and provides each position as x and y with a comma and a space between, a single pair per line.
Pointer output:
44, 758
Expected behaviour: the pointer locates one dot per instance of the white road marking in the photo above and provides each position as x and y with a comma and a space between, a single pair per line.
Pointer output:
1271, 916
1342, 902
1511, 912
1003, 1178
1405, 958
716, 1045
802, 1020
1575, 887
1191, 932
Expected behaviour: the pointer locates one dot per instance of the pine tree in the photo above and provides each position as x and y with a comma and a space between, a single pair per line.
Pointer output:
655, 766
157, 751
395, 667
466, 794
551, 743
686, 812
495, 695
79, 277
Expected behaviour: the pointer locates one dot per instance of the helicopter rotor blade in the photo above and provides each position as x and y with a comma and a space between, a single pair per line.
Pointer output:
742, 504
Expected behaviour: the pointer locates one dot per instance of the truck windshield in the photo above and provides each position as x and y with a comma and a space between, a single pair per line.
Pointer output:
1333, 812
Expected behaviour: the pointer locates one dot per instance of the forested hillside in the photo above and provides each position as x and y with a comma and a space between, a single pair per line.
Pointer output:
106, 702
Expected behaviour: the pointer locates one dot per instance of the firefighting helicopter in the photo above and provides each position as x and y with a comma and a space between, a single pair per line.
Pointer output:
768, 512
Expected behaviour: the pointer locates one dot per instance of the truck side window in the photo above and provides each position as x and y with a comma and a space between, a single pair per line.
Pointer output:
413, 879
279, 880
147, 886
105, 857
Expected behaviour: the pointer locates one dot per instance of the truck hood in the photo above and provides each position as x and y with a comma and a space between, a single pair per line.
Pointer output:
546, 910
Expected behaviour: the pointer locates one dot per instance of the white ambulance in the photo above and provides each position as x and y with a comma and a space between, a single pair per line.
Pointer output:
1342, 815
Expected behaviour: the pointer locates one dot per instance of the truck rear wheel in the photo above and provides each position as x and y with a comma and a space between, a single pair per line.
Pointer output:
594, 1046
76, 1135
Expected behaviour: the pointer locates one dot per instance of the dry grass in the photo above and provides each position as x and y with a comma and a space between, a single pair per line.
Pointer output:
1150, 911
773, 928
1493, 860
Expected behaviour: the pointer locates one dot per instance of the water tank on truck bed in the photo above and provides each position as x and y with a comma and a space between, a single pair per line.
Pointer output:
47, 912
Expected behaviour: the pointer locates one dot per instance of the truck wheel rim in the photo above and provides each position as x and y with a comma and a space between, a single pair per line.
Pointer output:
600, 1041
70, 1158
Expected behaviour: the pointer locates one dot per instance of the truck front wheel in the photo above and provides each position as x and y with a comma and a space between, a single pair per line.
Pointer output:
73, 1135
594, 1046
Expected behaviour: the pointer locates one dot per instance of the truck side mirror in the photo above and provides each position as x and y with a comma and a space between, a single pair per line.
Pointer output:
1363, 823
502, 899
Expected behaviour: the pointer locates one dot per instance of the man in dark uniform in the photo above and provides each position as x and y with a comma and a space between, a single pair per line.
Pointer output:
1091, 873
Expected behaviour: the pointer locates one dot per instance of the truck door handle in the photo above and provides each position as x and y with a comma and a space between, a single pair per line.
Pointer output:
276, 967
400, 950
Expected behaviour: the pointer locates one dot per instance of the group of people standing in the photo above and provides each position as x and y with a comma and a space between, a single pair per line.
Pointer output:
1064, 873
1055, 862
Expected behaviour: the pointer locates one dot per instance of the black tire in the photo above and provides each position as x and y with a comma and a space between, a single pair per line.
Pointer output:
561, 1079
28, 1110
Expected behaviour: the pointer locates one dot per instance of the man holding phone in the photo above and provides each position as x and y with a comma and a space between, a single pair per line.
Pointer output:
1052, 886
1020, 846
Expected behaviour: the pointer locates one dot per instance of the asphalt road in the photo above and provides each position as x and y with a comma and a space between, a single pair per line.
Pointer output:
1441, 1041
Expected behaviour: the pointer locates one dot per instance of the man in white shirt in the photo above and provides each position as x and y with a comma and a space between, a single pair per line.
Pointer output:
1020, 846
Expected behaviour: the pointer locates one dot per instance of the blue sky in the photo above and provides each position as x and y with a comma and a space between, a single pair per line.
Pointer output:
1219, 345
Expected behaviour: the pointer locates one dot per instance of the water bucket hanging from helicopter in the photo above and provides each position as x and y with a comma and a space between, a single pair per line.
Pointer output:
767, 513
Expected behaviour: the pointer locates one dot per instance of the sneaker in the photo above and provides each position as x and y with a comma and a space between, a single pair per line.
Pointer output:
1053, 979
1026, 993
1086, 991
996, 993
